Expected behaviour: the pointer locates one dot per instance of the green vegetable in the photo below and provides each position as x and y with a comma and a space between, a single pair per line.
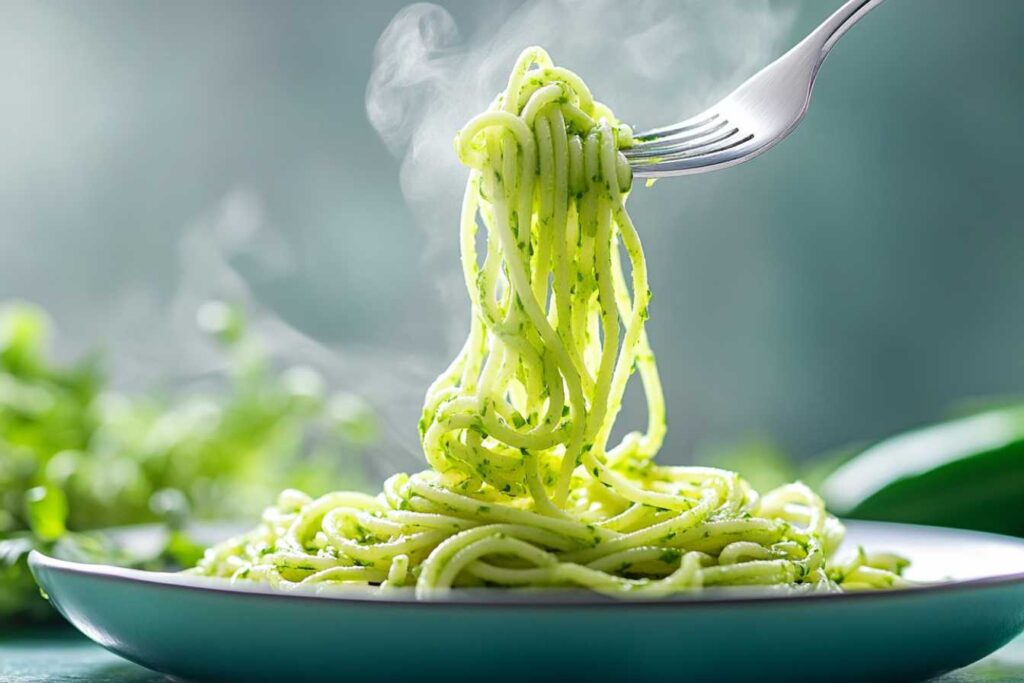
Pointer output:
77, 455
966, 473
46, 508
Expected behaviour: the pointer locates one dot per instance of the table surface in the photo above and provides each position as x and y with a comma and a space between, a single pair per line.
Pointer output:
61, 654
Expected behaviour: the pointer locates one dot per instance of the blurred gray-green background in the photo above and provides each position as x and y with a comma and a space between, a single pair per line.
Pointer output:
860, 279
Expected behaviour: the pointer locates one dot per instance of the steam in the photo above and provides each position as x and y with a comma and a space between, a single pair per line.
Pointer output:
653, 62
229, 253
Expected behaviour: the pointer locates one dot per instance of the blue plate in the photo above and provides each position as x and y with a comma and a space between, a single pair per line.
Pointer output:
206, 629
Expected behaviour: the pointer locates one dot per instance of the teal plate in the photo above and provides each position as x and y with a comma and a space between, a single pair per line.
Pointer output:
208, 630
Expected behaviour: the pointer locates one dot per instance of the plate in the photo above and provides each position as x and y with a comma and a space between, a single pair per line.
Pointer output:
205, 629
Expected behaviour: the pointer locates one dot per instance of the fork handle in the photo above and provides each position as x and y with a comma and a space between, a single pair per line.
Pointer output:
833, 28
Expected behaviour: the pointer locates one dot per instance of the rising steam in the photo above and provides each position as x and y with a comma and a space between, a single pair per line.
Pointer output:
229, 253
651, 61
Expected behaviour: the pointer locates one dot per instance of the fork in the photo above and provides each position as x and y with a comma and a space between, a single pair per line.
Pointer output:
751, 119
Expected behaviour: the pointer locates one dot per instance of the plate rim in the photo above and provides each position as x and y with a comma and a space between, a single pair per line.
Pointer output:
487, 598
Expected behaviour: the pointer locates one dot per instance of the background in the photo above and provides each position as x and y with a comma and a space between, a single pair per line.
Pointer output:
860, 279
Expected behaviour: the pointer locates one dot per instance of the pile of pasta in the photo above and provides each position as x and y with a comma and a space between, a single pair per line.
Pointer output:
525, 489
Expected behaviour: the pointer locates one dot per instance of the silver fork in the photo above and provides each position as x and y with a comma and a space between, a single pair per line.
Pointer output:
750, 120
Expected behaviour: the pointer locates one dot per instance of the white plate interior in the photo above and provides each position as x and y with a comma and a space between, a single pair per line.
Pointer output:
940, 554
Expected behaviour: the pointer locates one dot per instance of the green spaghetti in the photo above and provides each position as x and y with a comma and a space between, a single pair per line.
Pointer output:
525, 489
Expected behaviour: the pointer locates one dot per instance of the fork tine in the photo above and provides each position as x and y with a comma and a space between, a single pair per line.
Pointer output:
722, 145
763, 110
732, 150
689, 124
714, 125
685, 145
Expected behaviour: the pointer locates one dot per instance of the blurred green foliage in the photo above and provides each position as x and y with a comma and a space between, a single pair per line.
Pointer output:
77, 455
761, 461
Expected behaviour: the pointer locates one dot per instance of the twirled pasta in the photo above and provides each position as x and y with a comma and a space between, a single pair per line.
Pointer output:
524, 489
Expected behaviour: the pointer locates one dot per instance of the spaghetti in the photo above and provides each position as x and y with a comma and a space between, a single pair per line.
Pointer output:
525, 489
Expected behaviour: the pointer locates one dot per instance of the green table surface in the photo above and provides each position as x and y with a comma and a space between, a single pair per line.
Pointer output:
61, 654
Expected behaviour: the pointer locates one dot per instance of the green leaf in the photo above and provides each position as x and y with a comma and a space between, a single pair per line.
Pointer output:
46, 508
182, 550
966, 473
24, 333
